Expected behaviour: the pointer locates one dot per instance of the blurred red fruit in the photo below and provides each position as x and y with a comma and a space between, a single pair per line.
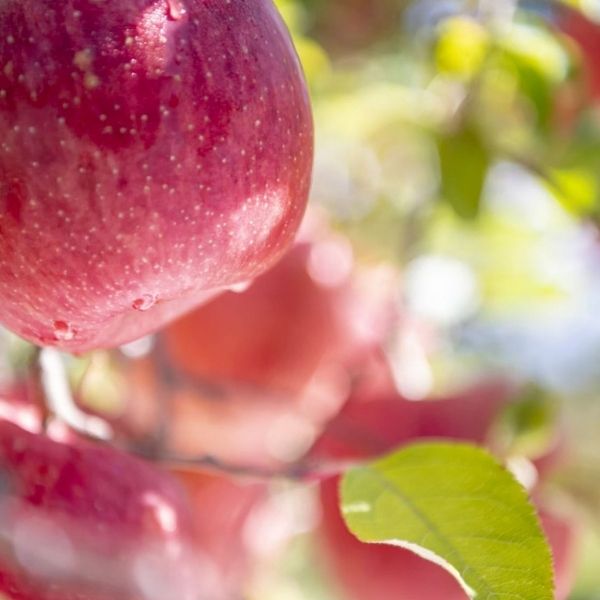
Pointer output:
373, 423
222, 508
86, 522
252, 376
151, 152
586, 35
276, 334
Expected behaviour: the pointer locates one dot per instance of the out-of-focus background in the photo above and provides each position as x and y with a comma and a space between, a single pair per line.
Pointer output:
454, 238
460, 142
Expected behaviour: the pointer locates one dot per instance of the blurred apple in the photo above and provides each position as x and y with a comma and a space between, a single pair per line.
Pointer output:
375, 421
222, 508
87, 522
276, 334
252, 376
586, 36
216, 508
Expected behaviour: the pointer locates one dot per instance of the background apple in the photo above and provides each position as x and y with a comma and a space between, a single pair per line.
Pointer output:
373, 423
252, 377
222, 508
290, 322
81, 521
151, 152
586, 37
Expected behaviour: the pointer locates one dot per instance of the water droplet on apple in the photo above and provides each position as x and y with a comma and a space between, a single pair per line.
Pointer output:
175, 9
63, 332
144, 302
240, 288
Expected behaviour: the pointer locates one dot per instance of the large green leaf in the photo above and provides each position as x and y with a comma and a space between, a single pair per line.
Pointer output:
455, 505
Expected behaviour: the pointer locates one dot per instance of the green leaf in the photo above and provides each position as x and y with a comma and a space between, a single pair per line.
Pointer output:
576, 189
464, 162
455, 505
461, 47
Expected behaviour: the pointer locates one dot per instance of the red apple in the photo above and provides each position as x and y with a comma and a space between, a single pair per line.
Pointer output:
373, 423
251, 377
86, 522
276, 334
223, 507
151, 152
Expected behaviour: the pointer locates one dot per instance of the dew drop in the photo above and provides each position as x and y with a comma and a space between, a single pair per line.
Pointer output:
63, 332
144, 302
175, 9
240, 288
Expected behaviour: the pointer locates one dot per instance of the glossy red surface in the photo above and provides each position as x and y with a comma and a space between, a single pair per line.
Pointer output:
81, 521
277, 333
151, 152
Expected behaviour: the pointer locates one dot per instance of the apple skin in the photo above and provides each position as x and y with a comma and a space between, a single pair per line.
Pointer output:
151, 153
87, 522
277, 333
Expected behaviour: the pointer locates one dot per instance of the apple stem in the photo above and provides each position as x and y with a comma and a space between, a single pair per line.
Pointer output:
58, 398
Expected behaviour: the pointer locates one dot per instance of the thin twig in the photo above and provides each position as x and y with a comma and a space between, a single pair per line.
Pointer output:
59, 399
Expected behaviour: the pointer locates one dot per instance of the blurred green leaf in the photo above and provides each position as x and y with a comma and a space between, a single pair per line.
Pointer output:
538, 48
528, 427
461, 47
576, 189
464, 163
540, 63
455, 505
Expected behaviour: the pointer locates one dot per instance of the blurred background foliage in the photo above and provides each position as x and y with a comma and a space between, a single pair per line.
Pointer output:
460, 140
